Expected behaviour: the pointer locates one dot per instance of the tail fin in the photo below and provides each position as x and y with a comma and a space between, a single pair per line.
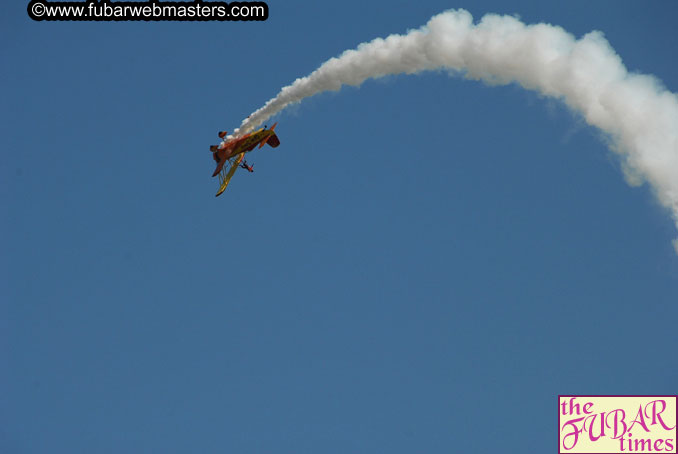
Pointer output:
273, 141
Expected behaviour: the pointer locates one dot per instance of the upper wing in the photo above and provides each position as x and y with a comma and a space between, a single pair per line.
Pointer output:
225, 179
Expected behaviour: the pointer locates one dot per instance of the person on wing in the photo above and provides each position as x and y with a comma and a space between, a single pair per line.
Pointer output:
245, 166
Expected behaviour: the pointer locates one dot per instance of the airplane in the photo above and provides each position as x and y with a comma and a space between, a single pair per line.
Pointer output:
233, 151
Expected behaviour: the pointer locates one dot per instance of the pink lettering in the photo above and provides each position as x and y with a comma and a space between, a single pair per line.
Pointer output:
656, 415
618, 418
574, 433
658, 444
601, 431
640, 421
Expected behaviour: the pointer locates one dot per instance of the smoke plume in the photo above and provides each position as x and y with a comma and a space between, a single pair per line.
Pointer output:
637, 113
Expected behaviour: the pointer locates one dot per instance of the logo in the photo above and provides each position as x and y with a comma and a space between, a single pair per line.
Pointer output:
617, 424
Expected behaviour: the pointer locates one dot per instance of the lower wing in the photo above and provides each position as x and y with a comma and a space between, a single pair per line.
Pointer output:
225, 178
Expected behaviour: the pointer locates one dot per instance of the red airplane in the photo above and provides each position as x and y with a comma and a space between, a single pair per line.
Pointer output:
233, 151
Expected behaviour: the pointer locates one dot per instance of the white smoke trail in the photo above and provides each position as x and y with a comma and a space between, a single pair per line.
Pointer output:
636, 111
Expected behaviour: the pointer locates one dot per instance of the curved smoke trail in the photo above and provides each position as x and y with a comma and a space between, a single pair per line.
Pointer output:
636, 111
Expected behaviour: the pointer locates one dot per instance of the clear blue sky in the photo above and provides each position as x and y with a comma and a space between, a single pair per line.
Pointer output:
423, 265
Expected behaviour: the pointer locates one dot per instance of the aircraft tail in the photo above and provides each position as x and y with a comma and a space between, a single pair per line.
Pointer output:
272, 140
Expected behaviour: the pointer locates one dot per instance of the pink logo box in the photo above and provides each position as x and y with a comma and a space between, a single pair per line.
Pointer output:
617, 424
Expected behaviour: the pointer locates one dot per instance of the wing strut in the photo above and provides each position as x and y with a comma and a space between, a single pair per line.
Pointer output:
225, 178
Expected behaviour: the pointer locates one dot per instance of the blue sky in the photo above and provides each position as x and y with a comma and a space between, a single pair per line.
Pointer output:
423, 265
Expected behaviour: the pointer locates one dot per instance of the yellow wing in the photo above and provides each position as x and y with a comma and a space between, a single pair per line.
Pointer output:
225, 178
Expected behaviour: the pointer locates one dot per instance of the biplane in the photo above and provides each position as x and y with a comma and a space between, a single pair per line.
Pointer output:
233, 151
